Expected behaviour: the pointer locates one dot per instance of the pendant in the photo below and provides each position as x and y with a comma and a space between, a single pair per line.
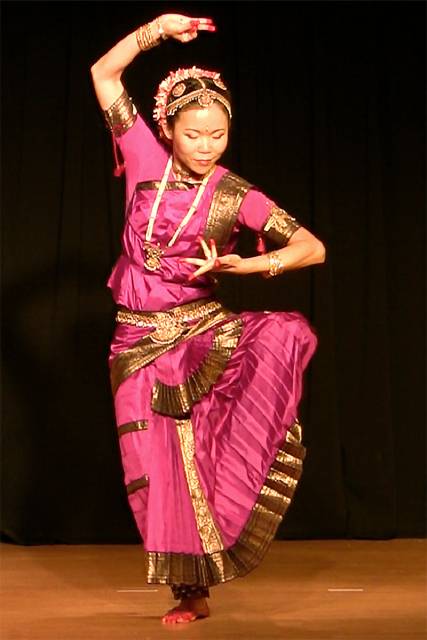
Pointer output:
153, 253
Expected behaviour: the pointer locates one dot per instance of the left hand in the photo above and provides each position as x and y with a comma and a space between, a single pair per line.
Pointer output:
231, 263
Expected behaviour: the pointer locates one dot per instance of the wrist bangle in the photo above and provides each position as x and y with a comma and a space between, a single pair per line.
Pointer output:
276, 264
145, 37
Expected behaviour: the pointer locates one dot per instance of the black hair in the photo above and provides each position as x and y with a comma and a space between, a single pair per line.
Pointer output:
193, 84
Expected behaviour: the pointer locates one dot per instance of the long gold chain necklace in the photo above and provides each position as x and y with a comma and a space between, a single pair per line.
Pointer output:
153, 252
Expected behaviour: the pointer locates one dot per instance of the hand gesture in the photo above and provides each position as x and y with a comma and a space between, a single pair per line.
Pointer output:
232, 262
184, 28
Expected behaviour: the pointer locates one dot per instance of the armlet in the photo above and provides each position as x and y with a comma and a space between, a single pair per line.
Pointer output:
280, 226
121, 115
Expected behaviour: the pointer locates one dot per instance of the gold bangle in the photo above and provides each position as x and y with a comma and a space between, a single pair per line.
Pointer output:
276, 264
145, 38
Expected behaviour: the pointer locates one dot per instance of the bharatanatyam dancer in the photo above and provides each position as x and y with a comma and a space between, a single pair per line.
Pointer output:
206, 400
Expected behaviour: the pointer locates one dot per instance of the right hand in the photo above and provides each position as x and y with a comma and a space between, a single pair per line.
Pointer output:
184, 28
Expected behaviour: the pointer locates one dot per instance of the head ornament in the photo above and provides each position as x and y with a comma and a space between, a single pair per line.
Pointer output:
175, 85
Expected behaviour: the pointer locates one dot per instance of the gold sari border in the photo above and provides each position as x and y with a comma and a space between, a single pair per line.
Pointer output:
210, 536
146, 350
177, 401
153, 185
224, 209
137, 484
129, 427
267, 513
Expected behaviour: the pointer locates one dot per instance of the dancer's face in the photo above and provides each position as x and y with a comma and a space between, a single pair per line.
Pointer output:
199, 137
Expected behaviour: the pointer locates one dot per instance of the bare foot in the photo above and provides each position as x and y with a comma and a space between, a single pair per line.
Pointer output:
187, 611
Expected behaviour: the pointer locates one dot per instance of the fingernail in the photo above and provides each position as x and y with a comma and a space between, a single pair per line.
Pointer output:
211, 28
191, 277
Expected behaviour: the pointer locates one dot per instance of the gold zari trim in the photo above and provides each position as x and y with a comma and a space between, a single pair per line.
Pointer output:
224, 209
145, 350
121, 115
178, 400
140, 483
168, 325
153, 185
129, 427
209, 535
183, 314
280, 226
253, 542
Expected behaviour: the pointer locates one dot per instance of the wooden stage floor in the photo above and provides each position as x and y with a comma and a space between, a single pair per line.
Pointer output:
303, 590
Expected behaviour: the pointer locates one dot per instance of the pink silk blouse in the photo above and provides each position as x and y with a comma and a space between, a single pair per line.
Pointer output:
131, 284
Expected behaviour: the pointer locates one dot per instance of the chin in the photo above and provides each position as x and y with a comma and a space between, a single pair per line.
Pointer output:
201, 169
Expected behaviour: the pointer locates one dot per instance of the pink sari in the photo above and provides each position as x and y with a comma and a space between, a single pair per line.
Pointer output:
207, 419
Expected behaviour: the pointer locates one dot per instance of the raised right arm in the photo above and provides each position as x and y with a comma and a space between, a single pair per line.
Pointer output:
107, 71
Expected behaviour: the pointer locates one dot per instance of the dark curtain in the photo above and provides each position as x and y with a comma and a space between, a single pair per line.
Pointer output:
329, 120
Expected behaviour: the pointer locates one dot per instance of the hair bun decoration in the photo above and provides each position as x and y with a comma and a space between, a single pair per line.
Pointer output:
178, 90
174, 84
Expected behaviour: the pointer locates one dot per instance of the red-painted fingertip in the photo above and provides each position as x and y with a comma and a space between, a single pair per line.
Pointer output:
191, 277
211, 28
200, 239
217, 263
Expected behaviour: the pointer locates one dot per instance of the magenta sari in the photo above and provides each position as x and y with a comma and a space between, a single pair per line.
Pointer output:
207, 424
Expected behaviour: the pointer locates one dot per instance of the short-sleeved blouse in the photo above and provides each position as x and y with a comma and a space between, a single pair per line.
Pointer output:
131, 284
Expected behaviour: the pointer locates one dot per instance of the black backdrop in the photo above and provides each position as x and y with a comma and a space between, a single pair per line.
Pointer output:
329, 106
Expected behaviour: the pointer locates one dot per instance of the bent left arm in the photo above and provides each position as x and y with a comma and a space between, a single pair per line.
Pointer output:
302, 250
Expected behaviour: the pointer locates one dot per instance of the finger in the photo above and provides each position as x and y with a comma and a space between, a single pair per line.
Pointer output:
199, 272
212, 245
206, 27
205, 248
187, 36
196, 261
203, 21
203, 24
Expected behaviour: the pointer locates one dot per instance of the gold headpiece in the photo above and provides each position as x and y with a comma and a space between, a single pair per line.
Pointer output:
174, 85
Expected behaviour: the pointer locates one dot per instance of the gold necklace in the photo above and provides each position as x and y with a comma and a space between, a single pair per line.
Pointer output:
153, 252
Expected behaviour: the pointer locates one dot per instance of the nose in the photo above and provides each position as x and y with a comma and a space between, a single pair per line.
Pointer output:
204, 144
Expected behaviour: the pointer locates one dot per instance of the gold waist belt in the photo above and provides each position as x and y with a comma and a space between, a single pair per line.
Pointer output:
168, 325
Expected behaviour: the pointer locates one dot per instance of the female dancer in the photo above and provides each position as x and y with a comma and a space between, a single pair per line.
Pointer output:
206, 400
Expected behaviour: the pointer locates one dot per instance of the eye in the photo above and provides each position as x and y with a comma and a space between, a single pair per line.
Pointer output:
192, 136
218, 136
